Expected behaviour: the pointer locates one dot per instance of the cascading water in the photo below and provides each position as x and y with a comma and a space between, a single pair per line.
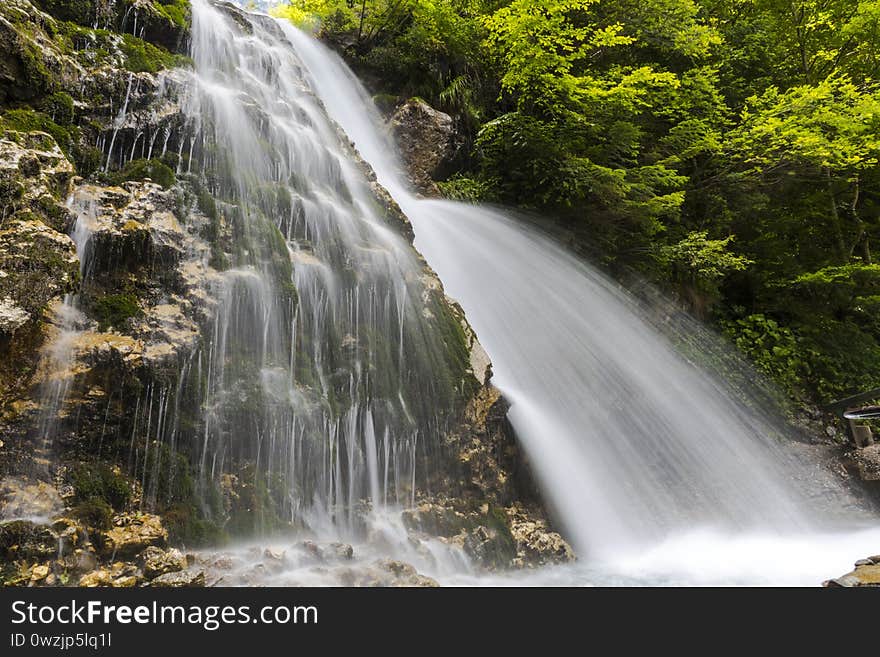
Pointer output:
648, 461
327, 365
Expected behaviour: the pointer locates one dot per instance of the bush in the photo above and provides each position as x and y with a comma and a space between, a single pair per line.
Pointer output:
774, 349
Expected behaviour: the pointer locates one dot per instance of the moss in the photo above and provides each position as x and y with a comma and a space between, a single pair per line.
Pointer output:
142, 169
28, 120
59, 107
94, 483
177, 11
141, 56
172, 492
186, 525
76, 11
115, 310
94, 513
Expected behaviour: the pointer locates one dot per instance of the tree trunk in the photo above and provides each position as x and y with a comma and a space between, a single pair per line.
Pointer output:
836, 226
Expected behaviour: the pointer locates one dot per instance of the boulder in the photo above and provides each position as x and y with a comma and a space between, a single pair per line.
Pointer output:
537, 545
386, 572
862, 575
25, 498
180, 579
24, 539
428, 142
132, 534
155, 561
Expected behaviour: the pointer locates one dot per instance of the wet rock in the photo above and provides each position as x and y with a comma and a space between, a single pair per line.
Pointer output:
155, 561
24, 498
84, 561
155, 26
24, 539
491, 547
39, 573
867, 460
180, 579
117, 576
132, 534
96, 578
71, 535
538, 546
862, 575
428, 142
435, 519
329, 552
386, 572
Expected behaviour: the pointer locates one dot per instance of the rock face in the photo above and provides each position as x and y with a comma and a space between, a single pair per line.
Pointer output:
428, 142
133, 534
111, 260
865, 573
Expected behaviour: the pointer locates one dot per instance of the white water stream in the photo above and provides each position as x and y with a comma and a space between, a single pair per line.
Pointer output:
656, 471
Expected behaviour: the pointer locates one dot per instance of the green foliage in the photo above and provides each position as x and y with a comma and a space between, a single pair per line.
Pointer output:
774, 349
833, 125
703, 262
115, 310
461, 188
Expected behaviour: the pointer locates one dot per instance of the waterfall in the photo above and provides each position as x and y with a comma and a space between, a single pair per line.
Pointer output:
328, 362
635, 446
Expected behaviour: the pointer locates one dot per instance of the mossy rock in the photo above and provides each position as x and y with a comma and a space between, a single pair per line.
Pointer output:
23, 539
115, 310
164, 23
94, 513
81, 12
94, 483
142, 169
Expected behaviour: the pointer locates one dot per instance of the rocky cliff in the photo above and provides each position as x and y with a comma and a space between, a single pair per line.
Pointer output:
109, 255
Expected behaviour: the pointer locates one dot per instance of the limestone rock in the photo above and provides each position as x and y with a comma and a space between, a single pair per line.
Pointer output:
132, 534
39, 572
428, 141
26, 498
96, 578
862, 575
329, 552
537, 545
37, 259
155, 561
24, 539
180, 579
386, 573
